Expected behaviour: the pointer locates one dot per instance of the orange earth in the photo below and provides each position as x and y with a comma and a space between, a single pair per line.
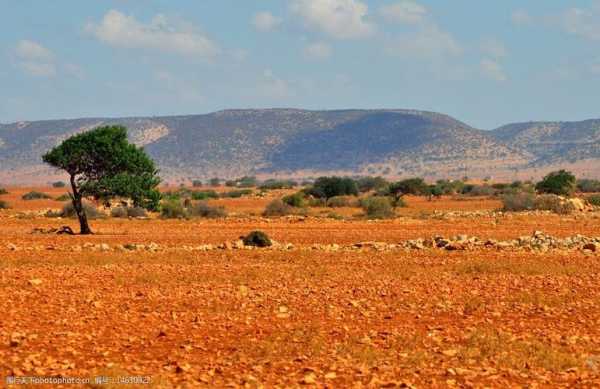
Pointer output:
303, 316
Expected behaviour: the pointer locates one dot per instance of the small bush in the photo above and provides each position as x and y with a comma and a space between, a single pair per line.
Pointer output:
119, 212
63, 197
257, 239
366, 184
518, 202
4, 205
58, 184
234, 194
328, 187
562, 183
338, 202
278, 208
594, 200
478, 190
296, 200
277, 184
197, 183
588, 186
172, 209
3, 191
90, 210
377, 207
215, 181
550, 202
204, 195
35, 196
317, 202
202, 209
136, 212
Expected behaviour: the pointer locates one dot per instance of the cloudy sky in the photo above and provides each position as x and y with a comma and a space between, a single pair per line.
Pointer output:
484, 62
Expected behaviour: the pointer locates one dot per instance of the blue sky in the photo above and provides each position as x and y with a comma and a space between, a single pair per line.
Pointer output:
487, 63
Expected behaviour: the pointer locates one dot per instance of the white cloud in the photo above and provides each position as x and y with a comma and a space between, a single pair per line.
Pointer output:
38, 69
427, 42
342, 19
34, 59
273, 87
494, 48
409, 12
520, 17
265, 21
162, 34
493, 70
318, 50
30, 50
583, 22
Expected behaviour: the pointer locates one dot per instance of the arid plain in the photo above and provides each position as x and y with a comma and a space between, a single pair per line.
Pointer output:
337, 302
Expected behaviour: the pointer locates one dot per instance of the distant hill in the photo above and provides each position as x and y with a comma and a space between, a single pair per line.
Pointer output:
293, 142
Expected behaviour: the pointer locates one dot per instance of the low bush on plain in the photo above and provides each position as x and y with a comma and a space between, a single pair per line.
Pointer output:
63, 197
297, 200
550, 202
588, 186
172, 209
278, 208
339, 202
518, 202
3, 191
204, 195
125, 212
68, 211
277, 184
58, 184
234, 194
34, 195
257, 239
202, 209
594, 200
377, 207
4, 205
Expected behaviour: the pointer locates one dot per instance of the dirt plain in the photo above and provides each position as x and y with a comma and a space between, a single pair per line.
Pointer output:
300, 317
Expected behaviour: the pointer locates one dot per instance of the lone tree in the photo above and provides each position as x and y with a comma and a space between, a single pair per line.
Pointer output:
328, 187
102, 165
562, 183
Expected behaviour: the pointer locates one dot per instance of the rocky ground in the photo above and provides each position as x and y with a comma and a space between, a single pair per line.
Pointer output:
421, 301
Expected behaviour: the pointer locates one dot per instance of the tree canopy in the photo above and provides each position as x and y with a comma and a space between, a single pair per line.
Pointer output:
562, 183
102, 164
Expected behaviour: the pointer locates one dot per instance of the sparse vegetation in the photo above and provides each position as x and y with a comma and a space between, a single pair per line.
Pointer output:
518, 202
58, 184
367, 184
328, 187
3, 191
4, 205
203, 209
34, 195
588, 186
197, 183
272, 184
594, 200
278, 208
550, 202
172, 209
63, 197
234, 194
377, 207
561, 183
68, 211
257, 239
297, 200
339, 201
124, 212
204, 195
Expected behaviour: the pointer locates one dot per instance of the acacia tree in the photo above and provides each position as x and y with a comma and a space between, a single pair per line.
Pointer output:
102, 164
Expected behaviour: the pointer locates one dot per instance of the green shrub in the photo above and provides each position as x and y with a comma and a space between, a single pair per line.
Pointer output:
328, 187
90, 210
58, 184
257, 239
172, 209
366, 184
551, 202
234, 194
478, 190
450, 187
118, 212
204, 195
272, 184
35, 196
518, 202
412, 186
339, 202
278, 208
297, 200
4, 205
588, 186
202, 209
63, 197
215, 181
377, 207
136, 212
196, 183
3, 191
561, 183
594, 200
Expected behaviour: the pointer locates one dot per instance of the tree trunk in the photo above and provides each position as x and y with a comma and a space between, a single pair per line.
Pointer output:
78, 206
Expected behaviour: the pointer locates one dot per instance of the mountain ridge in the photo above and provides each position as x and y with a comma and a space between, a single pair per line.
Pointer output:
298, 142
